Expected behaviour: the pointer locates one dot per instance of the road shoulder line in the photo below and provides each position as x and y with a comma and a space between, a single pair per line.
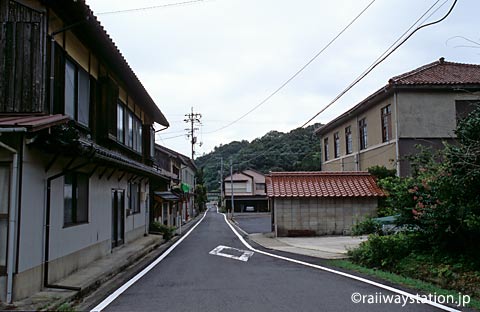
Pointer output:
102, 305
351, 276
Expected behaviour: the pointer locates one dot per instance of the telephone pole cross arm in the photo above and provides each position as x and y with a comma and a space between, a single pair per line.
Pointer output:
192, 119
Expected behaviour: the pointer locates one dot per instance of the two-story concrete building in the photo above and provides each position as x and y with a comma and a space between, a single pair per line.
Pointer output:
418, 107
249, 192
76, 145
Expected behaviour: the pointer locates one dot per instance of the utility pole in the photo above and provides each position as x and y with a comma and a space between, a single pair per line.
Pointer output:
231, 185
192, 119
221, 182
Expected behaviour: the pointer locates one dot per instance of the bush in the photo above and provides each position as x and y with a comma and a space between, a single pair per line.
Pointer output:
165, 230
383, 251
367, 226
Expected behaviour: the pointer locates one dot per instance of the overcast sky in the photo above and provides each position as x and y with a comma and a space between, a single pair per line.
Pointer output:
223, 57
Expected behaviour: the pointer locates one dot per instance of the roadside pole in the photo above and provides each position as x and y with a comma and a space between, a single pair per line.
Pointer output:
231, 186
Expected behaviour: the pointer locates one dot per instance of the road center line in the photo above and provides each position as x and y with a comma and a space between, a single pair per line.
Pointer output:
361, 279
102, 305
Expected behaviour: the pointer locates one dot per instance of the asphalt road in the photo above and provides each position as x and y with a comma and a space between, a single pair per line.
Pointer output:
191, 279
255, 222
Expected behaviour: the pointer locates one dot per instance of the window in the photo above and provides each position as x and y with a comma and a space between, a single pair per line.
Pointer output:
120, 123
336, 144
152, 142
134, 198
348, 140
260, 186
362, 125
464, 107
129, 128
325, 148
77, 93
386, 123
4, 202
75, 194
238, 187
137, 135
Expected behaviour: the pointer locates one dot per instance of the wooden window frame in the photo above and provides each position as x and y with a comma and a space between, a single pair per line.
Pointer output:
132, 129
325, 149
348, 140
78, 70
75, 200
386, 117
362, 127
336, 145
134, 198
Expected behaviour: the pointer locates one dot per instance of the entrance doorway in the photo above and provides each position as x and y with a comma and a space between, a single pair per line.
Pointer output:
118, 217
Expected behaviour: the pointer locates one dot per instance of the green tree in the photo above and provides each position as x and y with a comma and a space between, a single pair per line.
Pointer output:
200, 190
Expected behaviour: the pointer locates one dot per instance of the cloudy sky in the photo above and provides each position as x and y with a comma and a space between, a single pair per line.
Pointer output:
224, 57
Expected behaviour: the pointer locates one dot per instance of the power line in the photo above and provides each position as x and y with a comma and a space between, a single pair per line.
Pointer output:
385, 55
150, 7
296, 74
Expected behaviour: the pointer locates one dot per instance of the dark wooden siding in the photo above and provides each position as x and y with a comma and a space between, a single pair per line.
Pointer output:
22, 58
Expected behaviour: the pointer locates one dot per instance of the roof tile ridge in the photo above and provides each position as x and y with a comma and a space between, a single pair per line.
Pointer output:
415, 71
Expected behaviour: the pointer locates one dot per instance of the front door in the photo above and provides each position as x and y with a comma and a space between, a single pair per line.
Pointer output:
118, 216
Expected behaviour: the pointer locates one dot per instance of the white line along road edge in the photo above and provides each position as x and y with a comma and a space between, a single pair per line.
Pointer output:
102, 305
361, 279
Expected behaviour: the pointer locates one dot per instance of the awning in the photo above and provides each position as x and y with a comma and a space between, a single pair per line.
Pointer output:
167, 196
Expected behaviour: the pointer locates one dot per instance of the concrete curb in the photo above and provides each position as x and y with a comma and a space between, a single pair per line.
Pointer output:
70, 297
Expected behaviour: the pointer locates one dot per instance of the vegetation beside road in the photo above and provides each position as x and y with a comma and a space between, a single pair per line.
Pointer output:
297, 150
438, 216
415, 282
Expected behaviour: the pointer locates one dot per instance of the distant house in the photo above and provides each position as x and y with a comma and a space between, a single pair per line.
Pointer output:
320, 203
173, 202
76, 145
249, 193
418, 107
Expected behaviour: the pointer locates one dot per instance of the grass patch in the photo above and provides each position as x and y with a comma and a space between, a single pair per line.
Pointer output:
66, 307
421, 286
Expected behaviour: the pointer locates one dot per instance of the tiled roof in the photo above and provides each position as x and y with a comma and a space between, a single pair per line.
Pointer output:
322, 184
32, 122
438, 73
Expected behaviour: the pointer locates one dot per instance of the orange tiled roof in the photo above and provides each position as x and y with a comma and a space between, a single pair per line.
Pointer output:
439, 73
322, 184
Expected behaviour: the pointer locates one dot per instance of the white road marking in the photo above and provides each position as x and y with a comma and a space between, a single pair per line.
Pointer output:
361, 279
102, 305
244, 257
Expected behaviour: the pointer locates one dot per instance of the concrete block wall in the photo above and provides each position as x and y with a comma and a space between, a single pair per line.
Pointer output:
324, 216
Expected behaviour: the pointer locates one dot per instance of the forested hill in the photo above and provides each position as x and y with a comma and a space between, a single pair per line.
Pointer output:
296, 150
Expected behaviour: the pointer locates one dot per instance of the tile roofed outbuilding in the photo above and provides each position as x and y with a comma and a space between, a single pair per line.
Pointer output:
322, 184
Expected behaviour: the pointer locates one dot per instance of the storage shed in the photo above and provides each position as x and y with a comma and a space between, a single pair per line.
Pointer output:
320, 203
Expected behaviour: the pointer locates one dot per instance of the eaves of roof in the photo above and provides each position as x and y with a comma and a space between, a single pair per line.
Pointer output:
32, 123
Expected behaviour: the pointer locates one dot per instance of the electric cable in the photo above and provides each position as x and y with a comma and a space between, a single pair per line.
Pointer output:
296, 73
382, 58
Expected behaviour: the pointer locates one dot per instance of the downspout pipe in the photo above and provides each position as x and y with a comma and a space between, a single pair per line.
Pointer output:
397, 135
12, 218
47, 228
